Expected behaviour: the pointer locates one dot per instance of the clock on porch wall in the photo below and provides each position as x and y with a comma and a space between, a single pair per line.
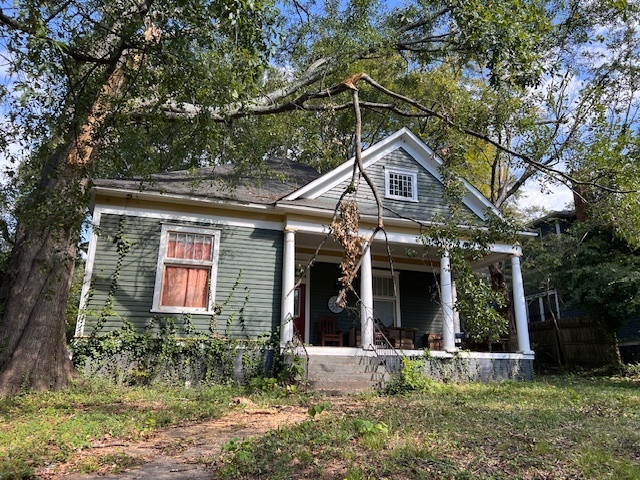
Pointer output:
333, 305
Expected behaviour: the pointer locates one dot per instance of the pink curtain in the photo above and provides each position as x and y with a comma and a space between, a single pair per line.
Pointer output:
185, 287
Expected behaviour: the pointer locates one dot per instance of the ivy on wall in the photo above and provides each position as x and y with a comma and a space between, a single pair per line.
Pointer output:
177, 352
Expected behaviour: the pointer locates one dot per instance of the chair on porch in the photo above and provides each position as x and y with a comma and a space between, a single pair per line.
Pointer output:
328, 331
433, 341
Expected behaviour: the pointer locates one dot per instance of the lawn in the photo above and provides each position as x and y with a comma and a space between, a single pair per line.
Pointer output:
41, 429
561, 427
555, 427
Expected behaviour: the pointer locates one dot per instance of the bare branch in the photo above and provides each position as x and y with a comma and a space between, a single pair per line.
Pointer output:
424, 21
358, 142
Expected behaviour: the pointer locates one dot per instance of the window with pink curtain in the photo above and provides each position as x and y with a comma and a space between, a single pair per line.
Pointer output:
187, 270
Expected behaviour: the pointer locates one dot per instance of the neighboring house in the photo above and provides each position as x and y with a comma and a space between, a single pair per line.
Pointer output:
577, 336
189, 245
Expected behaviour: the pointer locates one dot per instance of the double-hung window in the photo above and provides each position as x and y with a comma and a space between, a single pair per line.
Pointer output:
401, 184
187, 264
385, 299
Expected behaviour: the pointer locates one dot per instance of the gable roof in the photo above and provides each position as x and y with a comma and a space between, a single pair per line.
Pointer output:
220, 182
410, 143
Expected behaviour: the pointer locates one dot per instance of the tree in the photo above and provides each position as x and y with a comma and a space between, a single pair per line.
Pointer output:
150, 85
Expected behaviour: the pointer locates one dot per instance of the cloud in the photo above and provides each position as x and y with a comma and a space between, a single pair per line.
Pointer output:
548, 197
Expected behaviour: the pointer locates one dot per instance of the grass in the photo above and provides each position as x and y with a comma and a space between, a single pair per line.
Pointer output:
556, 427
561, 427
40, 429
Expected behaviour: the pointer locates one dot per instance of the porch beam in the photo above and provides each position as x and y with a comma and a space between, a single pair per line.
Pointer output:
288, 285
520, 307
366, 299
446, 298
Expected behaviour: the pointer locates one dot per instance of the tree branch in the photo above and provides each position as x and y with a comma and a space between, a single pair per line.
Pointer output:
73, 52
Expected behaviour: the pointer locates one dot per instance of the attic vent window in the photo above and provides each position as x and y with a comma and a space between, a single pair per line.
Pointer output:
401, 184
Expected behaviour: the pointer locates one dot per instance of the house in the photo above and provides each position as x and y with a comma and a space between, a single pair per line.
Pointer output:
563, 332
231, 259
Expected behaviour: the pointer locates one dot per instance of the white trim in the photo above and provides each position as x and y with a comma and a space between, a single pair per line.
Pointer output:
162, 261
216, 220
359, 352
388, 171
395, 237
420, 152
288, 274
396, 281
88, 273
327, 214
179, 199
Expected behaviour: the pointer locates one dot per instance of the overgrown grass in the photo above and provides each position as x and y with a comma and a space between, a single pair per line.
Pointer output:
39, 429
556, 427
560, 427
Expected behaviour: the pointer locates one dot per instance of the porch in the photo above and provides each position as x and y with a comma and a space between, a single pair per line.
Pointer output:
412, 305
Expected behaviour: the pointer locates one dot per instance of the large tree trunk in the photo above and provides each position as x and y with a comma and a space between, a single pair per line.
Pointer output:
35, 289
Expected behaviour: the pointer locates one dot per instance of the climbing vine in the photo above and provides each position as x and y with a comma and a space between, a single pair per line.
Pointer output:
171, 349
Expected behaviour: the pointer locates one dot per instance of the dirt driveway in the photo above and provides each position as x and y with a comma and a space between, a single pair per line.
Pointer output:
183, 452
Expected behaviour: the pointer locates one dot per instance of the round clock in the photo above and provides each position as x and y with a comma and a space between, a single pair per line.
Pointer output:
333, 305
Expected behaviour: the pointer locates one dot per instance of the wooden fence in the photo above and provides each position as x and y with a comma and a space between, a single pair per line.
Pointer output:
577, 341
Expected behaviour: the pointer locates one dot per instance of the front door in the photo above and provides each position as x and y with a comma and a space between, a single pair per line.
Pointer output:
299, 318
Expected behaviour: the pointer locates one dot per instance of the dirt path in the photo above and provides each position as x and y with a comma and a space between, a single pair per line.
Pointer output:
179, 452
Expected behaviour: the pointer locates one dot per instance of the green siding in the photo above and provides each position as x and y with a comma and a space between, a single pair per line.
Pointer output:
430, 190
324, 278
419, 304
251, 257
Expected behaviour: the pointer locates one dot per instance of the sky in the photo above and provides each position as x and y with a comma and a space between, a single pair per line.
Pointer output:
555, 199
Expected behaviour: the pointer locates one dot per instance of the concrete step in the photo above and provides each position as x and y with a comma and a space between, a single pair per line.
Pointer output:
347, 377
343, 360
336, 368
342, 388
345, 374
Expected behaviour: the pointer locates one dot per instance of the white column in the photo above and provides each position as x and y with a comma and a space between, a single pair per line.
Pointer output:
456, 314
288, 284
366, 297
520, 307
446, 298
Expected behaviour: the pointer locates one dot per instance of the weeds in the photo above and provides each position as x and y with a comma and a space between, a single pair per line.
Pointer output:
565, 427
44, 428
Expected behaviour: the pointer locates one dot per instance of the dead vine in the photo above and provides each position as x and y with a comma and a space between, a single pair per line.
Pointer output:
344, 230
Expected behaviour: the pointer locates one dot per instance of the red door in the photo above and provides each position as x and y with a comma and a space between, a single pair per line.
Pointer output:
298, 310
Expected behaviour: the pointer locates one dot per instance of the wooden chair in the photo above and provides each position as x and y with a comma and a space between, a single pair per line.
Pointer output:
328, 331
433, 341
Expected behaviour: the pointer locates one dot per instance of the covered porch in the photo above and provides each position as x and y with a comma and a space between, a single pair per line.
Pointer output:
406, 311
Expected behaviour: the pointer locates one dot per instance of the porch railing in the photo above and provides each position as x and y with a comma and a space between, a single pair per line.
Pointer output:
386, 353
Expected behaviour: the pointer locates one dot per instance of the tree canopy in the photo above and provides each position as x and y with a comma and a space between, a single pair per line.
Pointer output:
505, 91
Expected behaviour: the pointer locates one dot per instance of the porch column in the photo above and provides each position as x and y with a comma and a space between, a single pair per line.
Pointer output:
520, 307
366, 298
446, 297
456, 314
288, 284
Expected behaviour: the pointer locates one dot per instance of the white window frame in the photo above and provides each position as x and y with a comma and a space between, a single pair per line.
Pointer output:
162, 261
396, 299
399, 171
